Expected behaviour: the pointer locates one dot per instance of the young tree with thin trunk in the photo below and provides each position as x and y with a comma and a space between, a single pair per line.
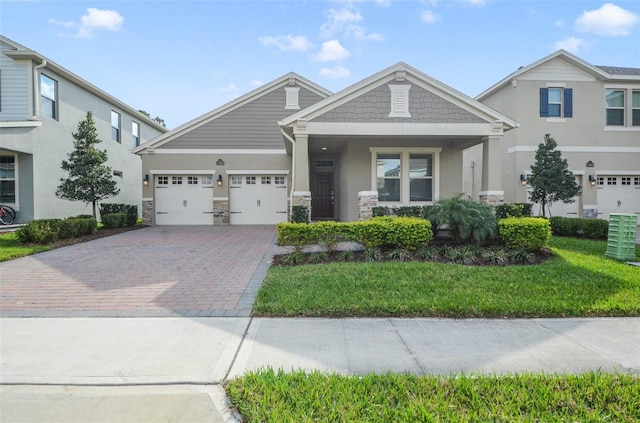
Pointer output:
550, 177
89, 180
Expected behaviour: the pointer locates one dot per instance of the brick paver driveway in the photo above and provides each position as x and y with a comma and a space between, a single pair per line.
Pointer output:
155, 271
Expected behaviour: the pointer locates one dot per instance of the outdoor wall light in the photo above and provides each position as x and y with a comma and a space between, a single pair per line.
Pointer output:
219, 180
145, 181
592, 180
523, 180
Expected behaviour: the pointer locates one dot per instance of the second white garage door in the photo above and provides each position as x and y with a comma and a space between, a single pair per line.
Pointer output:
257, 199
618, 194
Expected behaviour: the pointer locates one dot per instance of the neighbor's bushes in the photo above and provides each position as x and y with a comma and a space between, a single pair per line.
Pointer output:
130, 212
579, 227
114, 220
409, 233
513, 210
402, 211
530, 233
44, 231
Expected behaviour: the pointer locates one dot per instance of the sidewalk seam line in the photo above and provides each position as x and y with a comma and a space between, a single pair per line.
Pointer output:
235, 356
413, 356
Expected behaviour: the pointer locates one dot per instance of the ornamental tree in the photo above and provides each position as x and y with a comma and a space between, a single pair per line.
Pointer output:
89, 180
550, 180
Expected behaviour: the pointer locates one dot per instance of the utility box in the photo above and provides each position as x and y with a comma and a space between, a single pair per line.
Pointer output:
621, 242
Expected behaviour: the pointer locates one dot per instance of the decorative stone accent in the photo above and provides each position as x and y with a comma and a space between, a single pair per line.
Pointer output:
302, 198
147, 212
492, 198
367, 200
221, 211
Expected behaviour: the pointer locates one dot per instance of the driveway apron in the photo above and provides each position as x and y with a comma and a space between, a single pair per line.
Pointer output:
204, 271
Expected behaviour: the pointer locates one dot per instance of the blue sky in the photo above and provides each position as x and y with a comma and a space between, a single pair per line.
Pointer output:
180, 59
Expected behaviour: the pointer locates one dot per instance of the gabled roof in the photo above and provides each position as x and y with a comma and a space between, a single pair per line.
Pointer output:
389, 74
598, 72
21, 52
233, 105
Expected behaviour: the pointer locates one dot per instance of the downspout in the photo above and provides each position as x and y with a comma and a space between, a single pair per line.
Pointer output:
293, 167
36, 97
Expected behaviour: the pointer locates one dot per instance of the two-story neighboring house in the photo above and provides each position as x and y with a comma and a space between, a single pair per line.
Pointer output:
41, 104
593, 113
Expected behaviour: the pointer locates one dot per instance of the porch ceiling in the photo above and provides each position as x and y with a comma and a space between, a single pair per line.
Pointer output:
319, 144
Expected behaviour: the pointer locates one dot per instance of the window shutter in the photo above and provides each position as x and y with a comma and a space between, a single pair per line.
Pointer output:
544, 102
568, 102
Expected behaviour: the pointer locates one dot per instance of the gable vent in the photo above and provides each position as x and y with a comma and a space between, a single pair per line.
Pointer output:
399, 100
292, 102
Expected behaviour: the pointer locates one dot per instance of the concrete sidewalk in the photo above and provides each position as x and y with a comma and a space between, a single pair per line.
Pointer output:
149, 369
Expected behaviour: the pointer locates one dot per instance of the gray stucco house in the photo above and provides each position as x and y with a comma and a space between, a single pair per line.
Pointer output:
41, 104
395, 138
593, 113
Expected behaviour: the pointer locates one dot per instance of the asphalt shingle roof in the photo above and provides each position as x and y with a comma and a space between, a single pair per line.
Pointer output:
614, 70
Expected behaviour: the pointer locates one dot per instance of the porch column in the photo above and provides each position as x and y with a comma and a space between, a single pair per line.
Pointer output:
491, 191
302, 163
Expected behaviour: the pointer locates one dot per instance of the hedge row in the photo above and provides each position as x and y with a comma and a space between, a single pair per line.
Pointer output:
580, 227
130, 213
404, 232
44, 231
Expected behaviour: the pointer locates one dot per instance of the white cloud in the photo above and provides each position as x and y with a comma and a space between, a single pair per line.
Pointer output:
331, 51
609, 20
64, 24
429, 17
383, 3
571, 44
99, 20
287, 42
475, 2
359, 33
335, 73
559, 23
229, 88
338, 19
257, 83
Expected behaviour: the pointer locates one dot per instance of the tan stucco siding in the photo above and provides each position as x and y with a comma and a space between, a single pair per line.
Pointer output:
375, 106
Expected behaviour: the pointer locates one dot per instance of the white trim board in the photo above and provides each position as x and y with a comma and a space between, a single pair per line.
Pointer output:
257, 172
580, 149
181, 172
214, 151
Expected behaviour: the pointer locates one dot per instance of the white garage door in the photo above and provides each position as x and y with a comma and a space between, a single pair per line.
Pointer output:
184, 199
557, 208
257, 199
618, 194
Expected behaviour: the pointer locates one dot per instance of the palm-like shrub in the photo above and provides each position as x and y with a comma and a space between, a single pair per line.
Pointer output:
468, 221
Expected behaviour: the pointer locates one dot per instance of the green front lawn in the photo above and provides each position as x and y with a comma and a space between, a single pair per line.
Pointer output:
10, 248
267, 396
578, 281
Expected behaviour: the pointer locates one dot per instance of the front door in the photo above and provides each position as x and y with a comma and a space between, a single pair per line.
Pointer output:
322, 196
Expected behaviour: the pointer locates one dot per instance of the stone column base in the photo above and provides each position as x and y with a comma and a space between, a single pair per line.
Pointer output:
147, 212
367, 200
492, 198
221, 211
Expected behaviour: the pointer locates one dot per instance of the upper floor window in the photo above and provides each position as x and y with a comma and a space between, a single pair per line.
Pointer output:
7, 179
48, 96
615, 107
115, 126
635, 108
556, 102
135, 133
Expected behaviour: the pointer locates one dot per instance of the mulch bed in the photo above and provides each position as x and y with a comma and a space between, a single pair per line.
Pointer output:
100, 233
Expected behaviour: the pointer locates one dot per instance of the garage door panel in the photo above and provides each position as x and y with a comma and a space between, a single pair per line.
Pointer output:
618, 194
257, 199
184, 200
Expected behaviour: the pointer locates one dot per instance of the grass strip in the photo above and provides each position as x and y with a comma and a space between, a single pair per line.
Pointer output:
276, 396
11, 248
578, 282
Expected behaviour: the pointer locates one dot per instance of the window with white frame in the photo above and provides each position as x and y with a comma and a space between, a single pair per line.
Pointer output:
48, 97
207, 180
615, 107
7, 179
265, 180
236, 180
279, 180
405, 175
135, 134
176, 180
192, 180
163, 180
250, 180
635, 108
115, 126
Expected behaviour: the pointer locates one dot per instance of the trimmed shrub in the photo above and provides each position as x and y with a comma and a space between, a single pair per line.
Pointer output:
529, 233
130, 212
114, 220
579, 227
299, 214
409, 233
513, 210
372, 234
40, 231
379, 211
74, 227
468, 220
